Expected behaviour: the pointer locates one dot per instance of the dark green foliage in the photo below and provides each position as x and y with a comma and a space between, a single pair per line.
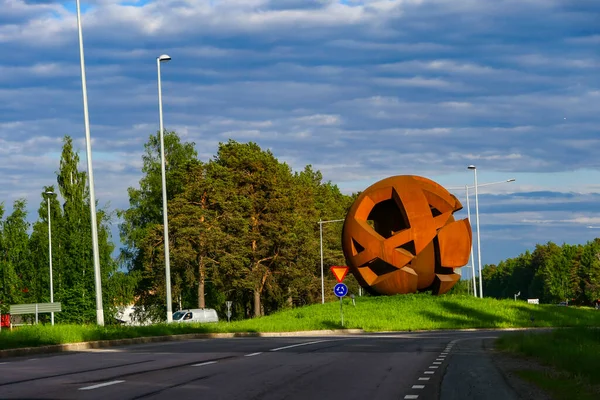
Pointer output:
24, 261
14, 255
551, 273
243, 227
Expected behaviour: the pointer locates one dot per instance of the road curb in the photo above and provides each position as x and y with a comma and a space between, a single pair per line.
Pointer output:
99, 344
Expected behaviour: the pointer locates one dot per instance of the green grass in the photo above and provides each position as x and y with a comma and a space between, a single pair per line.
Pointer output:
394, 313
561, 386
573, 353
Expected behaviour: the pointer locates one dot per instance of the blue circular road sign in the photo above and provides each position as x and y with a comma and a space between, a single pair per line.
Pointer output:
340, 290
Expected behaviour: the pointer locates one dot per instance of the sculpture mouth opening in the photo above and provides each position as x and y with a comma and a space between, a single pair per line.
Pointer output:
388, 217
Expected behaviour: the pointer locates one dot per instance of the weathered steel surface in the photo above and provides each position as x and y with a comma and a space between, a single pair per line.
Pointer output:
400, 236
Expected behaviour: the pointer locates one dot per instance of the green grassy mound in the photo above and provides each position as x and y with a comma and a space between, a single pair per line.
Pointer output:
394, 313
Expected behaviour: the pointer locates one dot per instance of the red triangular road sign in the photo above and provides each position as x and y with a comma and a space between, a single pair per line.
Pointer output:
339, 273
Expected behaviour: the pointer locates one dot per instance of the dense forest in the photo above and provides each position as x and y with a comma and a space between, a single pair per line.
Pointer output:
243, 227
24, 271
551, 273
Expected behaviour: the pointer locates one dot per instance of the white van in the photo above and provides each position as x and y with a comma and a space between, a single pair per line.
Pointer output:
196, 315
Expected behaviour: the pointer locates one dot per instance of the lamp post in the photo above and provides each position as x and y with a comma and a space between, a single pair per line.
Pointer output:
472, 258
474, 169
88, 141
466, 188
48, 195
164, 58
321, 222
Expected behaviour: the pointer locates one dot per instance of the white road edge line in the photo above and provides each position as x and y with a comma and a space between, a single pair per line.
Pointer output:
437, 363
300, 344
418, 386
411, 396
433, 367
3, 363
425, 378
100, 385
204, 363
252, 354
429, 372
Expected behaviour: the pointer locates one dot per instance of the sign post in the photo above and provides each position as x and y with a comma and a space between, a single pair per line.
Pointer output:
228, 303
340, 290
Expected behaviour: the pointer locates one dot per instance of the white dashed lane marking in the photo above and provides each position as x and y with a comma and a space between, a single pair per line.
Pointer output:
100, 385
204, 363
435, 365
252, 354
300, 344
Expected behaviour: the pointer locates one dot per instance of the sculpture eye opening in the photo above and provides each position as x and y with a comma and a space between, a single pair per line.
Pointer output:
388, 218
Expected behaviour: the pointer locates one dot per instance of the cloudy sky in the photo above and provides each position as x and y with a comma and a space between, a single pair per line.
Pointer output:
362, 90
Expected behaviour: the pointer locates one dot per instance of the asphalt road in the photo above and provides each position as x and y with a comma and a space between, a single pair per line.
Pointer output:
429, 365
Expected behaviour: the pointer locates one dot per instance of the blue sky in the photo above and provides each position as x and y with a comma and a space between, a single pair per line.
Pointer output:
362, 90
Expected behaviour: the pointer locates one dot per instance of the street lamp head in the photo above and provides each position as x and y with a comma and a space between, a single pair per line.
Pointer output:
471, 167
164, 58
49, 193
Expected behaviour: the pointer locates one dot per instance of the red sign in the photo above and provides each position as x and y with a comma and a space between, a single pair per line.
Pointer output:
339, 273
5, 321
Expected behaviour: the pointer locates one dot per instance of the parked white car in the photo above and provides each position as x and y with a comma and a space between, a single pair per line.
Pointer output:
196, 315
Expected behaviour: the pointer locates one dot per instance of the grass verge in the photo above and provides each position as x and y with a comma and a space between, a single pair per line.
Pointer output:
393, 313
573, 355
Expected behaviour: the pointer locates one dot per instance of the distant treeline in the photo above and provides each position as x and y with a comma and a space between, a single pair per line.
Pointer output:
550, 273
243, 227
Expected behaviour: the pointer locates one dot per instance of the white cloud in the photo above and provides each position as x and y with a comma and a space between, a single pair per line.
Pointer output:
360, 89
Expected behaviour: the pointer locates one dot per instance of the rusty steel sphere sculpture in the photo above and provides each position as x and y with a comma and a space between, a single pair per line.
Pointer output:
400, 236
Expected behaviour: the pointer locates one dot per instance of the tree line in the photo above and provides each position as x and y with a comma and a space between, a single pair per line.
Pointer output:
243, 227
24, 248
551, 273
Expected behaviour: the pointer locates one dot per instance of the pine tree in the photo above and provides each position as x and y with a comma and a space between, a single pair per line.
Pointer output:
141, 230
14, 255
39, 274
76, 288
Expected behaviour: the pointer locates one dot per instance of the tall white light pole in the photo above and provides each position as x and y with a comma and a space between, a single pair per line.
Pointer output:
49, 194
164, 58
474, 168
322, 277
466, 188
472, 258
88, 141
